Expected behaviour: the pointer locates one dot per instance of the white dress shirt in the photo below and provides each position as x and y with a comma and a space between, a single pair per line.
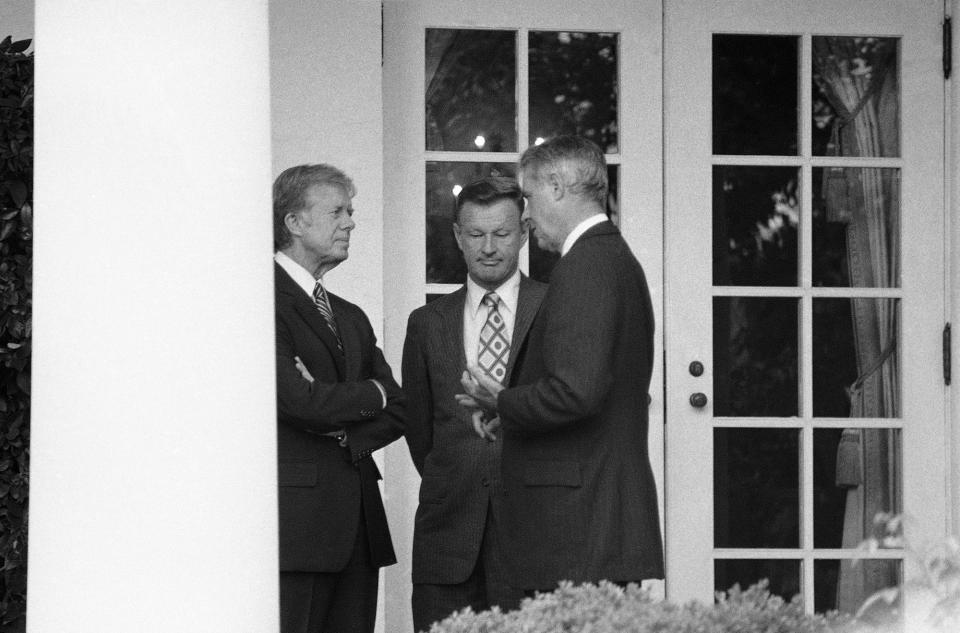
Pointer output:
475, 313
579, 230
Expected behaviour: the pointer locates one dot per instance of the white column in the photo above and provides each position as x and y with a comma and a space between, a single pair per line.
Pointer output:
153, 487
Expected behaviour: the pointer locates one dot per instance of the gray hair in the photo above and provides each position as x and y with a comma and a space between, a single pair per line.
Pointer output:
290, 192
576, 160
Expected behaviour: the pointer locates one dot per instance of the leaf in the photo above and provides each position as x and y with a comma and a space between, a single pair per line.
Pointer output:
19, 47
18, 191
5, 43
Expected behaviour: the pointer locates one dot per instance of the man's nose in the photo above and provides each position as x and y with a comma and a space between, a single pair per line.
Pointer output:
348, 224
488, 245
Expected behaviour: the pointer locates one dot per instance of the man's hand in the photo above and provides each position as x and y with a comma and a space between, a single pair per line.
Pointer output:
486, 429
482, 391
302, 369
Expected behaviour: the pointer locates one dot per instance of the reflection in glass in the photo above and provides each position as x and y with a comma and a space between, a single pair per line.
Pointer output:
783, 575
470, 90
844, 585
856, 364
573, 86
755, 366
856, 227
444, 260
756, 212
756, 487
856, 96
542, 262
856, 475
755, 94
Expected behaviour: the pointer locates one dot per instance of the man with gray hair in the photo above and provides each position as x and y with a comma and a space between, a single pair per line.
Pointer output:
337, 402
580, 498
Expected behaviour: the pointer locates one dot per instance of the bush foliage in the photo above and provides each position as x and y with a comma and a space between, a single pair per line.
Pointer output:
608, 608
16, 195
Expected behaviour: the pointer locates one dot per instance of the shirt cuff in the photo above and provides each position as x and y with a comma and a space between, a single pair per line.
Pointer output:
383, 392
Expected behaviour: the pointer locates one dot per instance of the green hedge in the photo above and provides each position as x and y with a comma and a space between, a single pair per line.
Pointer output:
16, 264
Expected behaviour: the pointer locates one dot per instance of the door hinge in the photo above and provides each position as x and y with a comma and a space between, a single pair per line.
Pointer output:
947, 46
946, 354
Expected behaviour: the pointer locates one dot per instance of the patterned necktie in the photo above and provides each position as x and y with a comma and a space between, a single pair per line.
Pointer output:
494, 348
323, 304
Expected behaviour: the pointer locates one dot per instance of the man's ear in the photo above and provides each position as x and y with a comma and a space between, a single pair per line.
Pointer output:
294, 223
557, 186
456, 235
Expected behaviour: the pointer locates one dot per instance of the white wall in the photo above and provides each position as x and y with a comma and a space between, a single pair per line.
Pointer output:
16, 19
952, 234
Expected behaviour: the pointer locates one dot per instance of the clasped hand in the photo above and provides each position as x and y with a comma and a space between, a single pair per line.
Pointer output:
480, 400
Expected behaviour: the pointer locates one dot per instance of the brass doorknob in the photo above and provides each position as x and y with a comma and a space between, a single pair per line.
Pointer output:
698, 400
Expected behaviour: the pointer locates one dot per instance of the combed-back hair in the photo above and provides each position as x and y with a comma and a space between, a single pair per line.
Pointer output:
290, 193
486, 191
577, 160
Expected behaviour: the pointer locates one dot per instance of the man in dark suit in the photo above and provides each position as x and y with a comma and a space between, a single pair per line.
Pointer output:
580, 495
456, 549
337, 402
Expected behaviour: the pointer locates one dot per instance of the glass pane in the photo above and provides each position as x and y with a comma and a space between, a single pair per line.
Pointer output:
542, 262
755, 367
756, 487
844, 585
856, 364
856, 96
755, 94
856, 227
783, 576
470, 90
444, 181
573, 86
756, 212
856, 475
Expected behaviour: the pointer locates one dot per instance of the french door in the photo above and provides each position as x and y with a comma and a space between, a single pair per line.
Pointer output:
777, 168
804, 285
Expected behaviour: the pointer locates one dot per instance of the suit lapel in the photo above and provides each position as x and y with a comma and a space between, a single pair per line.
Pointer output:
349, 336
528, 303
450, 310
302, 305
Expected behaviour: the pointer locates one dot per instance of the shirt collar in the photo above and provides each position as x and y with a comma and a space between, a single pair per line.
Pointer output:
508, 292
579, 230
298, 273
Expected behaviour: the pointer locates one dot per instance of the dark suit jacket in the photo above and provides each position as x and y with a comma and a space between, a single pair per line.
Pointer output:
460, 471
580, 494
323, 487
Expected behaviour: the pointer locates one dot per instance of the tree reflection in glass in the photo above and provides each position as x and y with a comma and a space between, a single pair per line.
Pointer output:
573, 86
470, 90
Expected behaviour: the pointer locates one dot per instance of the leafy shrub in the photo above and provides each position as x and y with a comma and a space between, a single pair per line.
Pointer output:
608, 608
932, 588
16, 194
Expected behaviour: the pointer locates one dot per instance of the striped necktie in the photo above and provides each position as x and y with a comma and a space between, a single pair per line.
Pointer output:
494, 348
323, 304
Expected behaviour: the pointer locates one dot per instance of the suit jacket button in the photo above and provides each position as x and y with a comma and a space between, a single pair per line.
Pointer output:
484, 482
